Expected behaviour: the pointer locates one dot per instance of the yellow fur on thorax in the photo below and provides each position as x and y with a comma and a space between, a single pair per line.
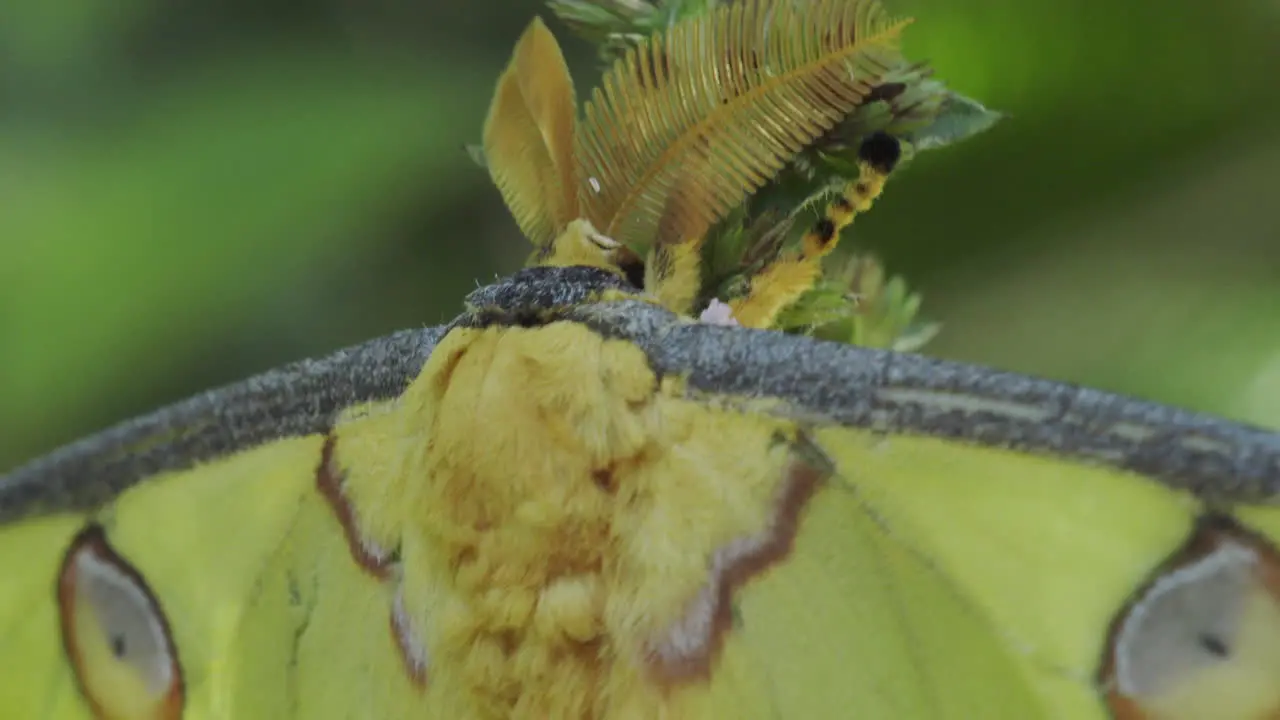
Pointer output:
783, 281
560, 505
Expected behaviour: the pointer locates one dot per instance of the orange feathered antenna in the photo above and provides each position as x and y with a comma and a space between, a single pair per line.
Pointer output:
529, 137
727, 98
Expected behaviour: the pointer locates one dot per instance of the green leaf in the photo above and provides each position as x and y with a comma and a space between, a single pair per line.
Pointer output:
958, 119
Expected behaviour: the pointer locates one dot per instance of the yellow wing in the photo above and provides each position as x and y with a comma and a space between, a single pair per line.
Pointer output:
572, 503
190, 563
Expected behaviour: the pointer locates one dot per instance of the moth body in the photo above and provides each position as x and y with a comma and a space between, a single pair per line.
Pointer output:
571, 502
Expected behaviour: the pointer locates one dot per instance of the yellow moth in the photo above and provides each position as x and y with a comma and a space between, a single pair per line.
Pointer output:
578, 501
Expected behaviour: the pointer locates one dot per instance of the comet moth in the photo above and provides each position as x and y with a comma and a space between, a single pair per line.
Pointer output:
581, 499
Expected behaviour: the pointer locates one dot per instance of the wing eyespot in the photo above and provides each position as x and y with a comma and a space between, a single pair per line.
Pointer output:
1202, 638
115, 636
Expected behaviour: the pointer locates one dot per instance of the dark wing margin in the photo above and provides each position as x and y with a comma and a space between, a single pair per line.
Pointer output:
834, 383
811, 381
295, 400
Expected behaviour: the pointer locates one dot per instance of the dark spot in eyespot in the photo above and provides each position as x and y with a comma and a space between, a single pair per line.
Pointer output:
118, 646
1214, 645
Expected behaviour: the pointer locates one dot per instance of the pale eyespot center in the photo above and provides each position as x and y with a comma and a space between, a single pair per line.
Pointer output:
1186, 620
115, 636
1203, 638
131, 628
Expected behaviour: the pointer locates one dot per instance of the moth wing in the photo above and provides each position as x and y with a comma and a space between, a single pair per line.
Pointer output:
267, 613
983, 544
222, 587
959, 580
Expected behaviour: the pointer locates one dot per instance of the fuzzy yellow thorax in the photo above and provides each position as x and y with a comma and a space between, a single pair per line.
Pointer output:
562, 514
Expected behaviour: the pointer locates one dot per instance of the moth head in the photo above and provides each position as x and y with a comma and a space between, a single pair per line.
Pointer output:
582, 244
703, 124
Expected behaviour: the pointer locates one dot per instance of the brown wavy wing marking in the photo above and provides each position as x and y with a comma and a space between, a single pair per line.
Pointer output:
374, 560
1202, 638
329, 478
688, 650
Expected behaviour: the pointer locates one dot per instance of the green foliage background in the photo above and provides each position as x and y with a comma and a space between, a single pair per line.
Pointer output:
193, 192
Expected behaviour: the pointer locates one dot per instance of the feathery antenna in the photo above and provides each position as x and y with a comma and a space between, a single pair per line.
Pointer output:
729, 98
529, 137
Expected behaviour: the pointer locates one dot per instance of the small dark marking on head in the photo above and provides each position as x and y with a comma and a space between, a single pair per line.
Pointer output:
329, 482
881, 151
632, 267
527, 319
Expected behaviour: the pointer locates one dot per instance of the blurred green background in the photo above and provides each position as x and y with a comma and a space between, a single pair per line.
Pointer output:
191, 192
